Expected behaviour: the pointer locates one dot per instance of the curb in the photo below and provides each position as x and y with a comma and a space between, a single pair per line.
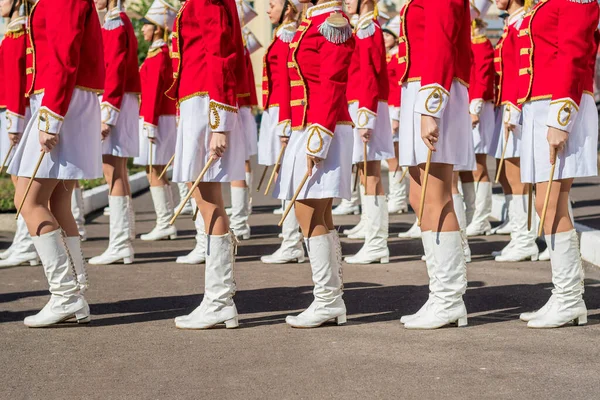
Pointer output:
589, 241
97, 198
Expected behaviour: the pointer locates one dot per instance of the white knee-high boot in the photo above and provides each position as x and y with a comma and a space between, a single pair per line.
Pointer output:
376, 228
73, 244
240, 212
359, 231
427, 239
480, 225
163, 205
291, 249
414, 232
468, 191
349, 206
566, 303
505, 228
198, 254
398, 195
217, 305
522, 244
448, 283
77, 209
187, 207
459, 209
66, 301
249, 184
328, 290
120, 245
22, 250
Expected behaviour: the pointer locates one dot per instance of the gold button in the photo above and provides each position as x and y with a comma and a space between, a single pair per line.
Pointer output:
303, 102
436, 96
567, 110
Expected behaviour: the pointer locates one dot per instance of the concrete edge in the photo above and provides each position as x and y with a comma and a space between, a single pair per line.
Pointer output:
589, 237
97, 198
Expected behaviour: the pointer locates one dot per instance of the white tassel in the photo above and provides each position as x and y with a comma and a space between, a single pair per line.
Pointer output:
286, 35
366, 31
582, 1
334, 34
113, 23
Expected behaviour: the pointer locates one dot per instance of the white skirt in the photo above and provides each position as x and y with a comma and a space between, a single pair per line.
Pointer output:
381, 145
331, 179
193, 147
124, 138
395, 135
248, 126
483, 133
579, 158
4, 139
78, 154
455, 145
269, 144
513, 148
164, 148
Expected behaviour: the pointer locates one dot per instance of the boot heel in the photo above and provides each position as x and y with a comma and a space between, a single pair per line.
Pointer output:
462, 322
35, 262
582, 320
385, 260
128, 260
535, 257
341, 320
83, 316
232, 323
173, 236
300, 260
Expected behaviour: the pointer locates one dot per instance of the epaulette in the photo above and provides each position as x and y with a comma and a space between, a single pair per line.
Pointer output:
336, 29
286, 33
16, 33
582, 1
479, 39
154, 52
113, 23
366, 30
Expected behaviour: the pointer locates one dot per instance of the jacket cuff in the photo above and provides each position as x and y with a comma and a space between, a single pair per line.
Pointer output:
110, 113
432, 100
562, 114
284, 128
318, 141
150, 130
395, 113
49, 121
15, 123
476, 106
365, 118
222, 117
512, 114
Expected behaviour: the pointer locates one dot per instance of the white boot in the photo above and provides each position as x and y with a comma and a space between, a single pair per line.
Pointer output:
544, 255
249, 184
505, 228
131, 214
78, 212
413, 233
375, 248
66, 302
217, 305
398, 197
291, 249
359, 232
468, 191
480, 225
76, 255
349, 206
568, 279
522, 244
198, 254
187, 208
239, 212
427, 239
22, 250
327, 278
459, 209
448, 283
119, 236
280, 210
164, 212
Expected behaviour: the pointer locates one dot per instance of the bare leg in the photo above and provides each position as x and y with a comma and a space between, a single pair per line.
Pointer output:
209, 199
311, 216
115, 173
440, 216
154, 174
557, 216
35, 210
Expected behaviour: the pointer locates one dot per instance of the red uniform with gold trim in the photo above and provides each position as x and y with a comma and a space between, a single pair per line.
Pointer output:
14, 46
557, 40
121, 61
202, 70
481, 83
2, 79
395, 94
318, 75
156, 76
58, 62
275, 91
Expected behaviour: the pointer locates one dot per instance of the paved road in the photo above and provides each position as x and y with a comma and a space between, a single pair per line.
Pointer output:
131, 350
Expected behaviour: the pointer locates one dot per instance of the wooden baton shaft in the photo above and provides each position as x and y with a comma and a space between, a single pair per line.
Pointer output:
164, 171
365, 164
529, 206
262, 178
501, 163
35, 171
547, 199
194, 186
275, 170
291, 203
12, 146
424, 187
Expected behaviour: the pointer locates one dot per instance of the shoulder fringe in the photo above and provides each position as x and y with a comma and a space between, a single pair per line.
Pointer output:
335, 34
582, 1
286, 35
366, 30
113, 23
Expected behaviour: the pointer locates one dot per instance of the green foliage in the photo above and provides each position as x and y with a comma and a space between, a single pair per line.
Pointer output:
140, 7
7, 195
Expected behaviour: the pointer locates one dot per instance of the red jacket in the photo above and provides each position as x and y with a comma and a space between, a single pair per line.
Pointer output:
13, 68
367, 75
156, 75
395, 95
435, 38
506, 64
207, 55
318, 72
275, 67
557, 39
66, 54
481, 82
246, 96
120, 58
2, 79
